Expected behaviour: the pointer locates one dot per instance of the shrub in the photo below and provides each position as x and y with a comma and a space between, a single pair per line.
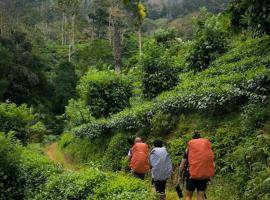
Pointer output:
176, 148
249, 164
77, 113
254, 14
158, 72
37, 132
163, 123
117, 149
65, 140
210, 43
121, 186
72, 185
104, 92
15, 118
35, 169
85, 150
253, 117
259, 186
10, 150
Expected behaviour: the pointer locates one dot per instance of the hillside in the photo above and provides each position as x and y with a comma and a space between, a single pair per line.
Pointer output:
80, 79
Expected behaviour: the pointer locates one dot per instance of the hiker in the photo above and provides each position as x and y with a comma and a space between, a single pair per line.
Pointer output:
197, 165
161, 168
139, 159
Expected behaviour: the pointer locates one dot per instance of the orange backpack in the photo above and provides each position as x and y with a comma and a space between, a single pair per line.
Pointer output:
201, 159
140, 159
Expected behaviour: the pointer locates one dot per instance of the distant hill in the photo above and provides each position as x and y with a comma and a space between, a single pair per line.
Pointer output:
177, 8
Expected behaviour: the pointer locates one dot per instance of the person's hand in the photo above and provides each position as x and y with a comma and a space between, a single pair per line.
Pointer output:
178, 180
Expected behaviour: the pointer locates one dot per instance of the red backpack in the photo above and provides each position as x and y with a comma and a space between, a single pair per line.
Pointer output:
201, 159
140, 159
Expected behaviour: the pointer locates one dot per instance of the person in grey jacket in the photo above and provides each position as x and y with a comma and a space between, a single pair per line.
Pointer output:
161, 168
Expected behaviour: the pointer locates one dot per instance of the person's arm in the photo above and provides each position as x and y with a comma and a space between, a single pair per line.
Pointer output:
182, 168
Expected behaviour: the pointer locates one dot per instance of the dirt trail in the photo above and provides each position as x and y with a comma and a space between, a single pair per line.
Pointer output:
59, 157
50, 151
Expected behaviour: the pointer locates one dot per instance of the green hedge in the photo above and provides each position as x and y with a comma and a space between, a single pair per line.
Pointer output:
104, 92
120, 187
229, 82
72, 185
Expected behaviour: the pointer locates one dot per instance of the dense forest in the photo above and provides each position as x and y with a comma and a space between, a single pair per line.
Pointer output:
79, 79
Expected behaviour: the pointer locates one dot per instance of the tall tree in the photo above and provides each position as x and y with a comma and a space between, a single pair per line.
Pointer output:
138, 14
70, 10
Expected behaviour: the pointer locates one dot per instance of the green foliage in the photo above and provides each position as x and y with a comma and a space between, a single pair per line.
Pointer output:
249, 162
253, 14
84, 150
258, 187
65, 140
16, 118
35, 171
37, 132
65, 84
104, 92
210, 42
114, 187
22, 74
253, 117
9, 163
117, 149
230, 81
163, 123
158, 72
77, 113
72, 185
97, 54
165, 36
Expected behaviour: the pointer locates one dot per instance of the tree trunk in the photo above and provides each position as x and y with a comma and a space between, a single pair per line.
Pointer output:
117, 48
140, 40
62, 28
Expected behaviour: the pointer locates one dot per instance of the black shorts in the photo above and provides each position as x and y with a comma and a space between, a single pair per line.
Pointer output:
199, 185
138, 175
160, 186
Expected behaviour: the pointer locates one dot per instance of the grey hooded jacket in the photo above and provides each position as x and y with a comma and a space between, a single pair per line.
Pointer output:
161, 164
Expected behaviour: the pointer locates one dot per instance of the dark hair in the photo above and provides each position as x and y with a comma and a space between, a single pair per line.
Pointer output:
196, 135
158, 143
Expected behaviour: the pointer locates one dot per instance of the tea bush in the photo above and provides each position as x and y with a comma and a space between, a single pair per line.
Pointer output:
163, 123
72, 185
104, 92
158, 72
117, 149
35, 169
120, 186
231, 81
84, 150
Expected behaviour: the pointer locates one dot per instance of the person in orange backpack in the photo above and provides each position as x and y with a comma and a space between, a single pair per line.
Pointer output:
139, 159
197, 166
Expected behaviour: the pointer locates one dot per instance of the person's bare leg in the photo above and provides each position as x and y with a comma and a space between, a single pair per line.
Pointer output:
189, 195
200, 195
